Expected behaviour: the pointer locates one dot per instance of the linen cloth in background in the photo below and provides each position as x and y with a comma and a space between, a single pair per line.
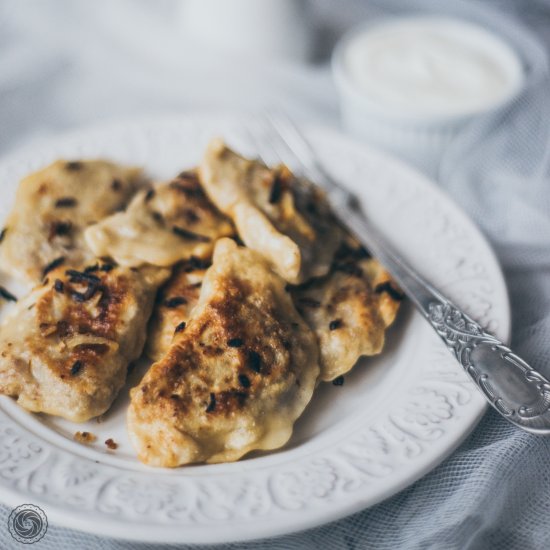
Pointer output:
67, 63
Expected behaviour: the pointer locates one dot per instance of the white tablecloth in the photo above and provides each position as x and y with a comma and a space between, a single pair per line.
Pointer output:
67, 63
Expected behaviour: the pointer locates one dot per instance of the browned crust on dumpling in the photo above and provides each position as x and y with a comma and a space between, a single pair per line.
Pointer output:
286, 220
349, 309
66, 347
236, 378
53, 207
168, 223
174, 304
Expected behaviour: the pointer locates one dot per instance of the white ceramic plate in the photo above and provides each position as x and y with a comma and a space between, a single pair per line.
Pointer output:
396, 417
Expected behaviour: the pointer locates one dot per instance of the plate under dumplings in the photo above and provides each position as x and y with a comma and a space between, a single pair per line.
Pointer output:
351, 448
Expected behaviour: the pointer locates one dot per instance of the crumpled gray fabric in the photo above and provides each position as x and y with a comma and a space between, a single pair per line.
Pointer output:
67, 63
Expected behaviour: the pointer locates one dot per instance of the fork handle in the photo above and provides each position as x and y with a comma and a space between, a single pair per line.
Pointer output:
515, 389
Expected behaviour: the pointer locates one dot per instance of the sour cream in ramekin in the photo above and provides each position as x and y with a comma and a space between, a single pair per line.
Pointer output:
431, 66
420, 78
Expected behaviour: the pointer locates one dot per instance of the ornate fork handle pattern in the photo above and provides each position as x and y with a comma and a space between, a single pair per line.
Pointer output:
514, 388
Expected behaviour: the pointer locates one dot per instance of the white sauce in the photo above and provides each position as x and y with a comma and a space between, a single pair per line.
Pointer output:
432, 66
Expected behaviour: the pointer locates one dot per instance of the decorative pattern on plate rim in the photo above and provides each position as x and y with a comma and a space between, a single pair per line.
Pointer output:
465, 338
403, 442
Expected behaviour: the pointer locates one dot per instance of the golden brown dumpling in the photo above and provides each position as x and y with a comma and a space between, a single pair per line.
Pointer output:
286, 220
236, 378
175, 302
65, 348
53, 207
163, 225
349, 309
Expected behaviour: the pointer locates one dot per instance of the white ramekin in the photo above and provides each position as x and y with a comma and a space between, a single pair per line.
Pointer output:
419, 140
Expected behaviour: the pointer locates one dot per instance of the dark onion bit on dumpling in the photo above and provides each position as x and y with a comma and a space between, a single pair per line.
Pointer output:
187, 175
157, 216
66, 202
52, 265
276, 190
189, 235
81, 276
349, 268
212, 404
175, 302
309, 302
244, 381
190, 216
235, 342
194, 264
7, 295
254, 361
60, 228
87, 295
390, 289
77, 367
347, 252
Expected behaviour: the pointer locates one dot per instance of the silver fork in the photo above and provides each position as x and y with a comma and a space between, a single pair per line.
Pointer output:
515, 389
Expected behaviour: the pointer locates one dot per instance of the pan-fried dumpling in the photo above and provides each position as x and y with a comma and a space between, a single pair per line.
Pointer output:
236, 378
286, 220
65, 348
349, 309
175, 302
53, 207
161, 226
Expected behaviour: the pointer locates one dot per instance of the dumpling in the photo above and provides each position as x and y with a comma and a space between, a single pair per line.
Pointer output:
53, 207
161, 226
65, 348
286, 220
349, 309
236, 378
174, 305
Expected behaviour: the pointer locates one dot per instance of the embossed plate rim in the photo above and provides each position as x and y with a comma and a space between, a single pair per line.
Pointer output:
41, 486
